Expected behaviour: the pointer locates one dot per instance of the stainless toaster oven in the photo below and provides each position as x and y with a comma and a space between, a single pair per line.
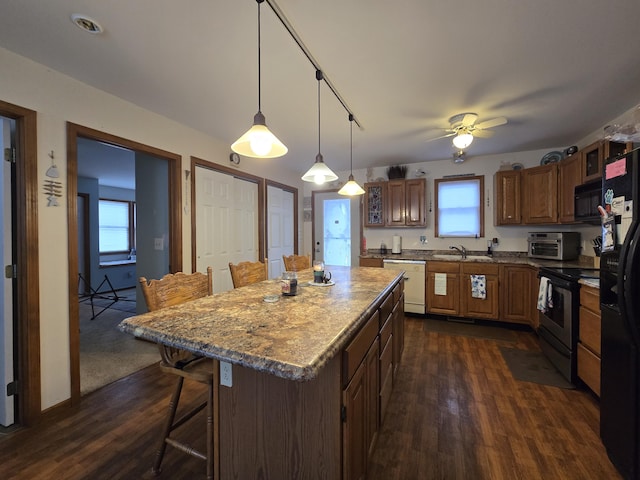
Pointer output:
554, 245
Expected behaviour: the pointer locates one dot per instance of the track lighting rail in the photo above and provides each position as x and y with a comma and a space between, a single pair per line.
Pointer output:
296, 38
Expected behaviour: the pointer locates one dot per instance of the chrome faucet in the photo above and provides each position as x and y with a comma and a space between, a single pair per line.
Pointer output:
461, 250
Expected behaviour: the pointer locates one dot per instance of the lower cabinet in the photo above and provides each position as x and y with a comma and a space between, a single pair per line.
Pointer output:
368, 364
450, 290
371, 262
589, 338
518, 294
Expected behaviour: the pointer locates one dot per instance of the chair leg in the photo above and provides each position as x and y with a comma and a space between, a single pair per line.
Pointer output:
173, 407
210, 433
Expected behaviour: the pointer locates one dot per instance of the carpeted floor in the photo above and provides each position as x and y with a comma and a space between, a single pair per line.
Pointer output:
107, 354
476, 330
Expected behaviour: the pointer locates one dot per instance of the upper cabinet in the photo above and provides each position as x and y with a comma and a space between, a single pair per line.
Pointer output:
569, 176
375, 194
594, 155
508, 187
396, 203
540, 194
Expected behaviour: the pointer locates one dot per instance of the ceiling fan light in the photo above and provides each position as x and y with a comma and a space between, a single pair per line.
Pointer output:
259, 142
319, 173
462, 140
351, 188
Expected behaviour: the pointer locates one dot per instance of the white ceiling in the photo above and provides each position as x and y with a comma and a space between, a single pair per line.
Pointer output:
557, 70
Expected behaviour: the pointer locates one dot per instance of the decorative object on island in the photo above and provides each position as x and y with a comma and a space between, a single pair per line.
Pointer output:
289, 284
351, 187
396, 171
258, 141
318, 271
319, 173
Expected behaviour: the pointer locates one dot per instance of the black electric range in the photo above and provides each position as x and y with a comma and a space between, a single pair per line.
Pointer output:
572, 274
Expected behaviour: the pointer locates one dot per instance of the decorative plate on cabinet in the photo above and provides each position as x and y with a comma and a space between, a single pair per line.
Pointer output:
551, 157
517, 166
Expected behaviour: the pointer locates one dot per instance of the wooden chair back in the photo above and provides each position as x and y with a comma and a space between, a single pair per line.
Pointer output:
246, 273
174, 289
294, 263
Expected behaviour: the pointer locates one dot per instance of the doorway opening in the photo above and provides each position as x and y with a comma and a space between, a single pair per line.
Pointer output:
150, 181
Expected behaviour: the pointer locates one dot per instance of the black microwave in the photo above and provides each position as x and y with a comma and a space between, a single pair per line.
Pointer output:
586, 200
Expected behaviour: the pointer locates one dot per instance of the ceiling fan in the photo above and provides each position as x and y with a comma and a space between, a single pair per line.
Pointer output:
463, 128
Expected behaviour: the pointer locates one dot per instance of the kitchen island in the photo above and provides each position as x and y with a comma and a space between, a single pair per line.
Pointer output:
293, 362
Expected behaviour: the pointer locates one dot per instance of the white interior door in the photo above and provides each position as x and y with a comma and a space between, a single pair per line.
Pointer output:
226, 223
336, 228
7, 404
279, 227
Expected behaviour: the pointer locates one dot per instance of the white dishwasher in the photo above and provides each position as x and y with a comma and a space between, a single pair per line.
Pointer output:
414, 282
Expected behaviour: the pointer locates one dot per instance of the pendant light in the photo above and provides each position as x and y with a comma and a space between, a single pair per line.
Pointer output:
258, 141
351, 188
319, 172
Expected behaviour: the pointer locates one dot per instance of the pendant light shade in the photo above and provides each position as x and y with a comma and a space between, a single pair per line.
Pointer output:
319, 173
351, 188
258, 141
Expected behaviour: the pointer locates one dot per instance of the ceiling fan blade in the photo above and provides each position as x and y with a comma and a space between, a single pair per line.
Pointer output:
494, 122
483, 133
469, 119
441, 136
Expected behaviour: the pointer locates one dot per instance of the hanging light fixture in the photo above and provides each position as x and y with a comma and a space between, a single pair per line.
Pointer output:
463, 139
319, 172
258, 141
351, 188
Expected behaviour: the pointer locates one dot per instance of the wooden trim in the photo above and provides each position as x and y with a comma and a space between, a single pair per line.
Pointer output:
294, 191
175, 226
199, 162
27, 300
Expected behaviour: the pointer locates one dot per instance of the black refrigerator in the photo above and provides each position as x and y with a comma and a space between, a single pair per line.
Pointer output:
620, 313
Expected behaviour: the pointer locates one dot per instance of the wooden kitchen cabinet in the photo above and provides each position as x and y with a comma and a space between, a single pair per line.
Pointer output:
396, 203
593, 156
375, 194
507, 185
589, 339
371, 262
488, 307
518, 294
447, 275
569, 176
540, 194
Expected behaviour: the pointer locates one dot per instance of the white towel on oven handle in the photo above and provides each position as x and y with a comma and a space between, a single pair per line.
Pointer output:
545, 295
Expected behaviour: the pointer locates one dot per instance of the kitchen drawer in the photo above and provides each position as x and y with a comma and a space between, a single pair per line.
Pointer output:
479, 268
385, 309
590, 298
443, 267
589, 368
354, 353
590, 329
397, 291
385, 332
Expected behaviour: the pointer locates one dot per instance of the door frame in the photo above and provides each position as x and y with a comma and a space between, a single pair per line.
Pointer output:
175, 226
27, 296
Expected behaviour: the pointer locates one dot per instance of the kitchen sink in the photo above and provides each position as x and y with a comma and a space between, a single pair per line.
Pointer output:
457, 257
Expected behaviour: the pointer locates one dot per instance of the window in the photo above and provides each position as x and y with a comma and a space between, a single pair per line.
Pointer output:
459, 211
116, 220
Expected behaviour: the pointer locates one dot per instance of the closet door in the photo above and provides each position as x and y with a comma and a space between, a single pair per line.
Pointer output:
280, 228
226, 227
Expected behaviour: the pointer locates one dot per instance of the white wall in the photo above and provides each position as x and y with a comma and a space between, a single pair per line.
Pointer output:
57, 99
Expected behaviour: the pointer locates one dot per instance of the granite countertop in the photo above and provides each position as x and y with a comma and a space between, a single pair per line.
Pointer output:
475, 256
292, 338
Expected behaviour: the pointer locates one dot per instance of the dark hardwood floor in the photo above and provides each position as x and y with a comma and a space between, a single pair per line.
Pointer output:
455, 413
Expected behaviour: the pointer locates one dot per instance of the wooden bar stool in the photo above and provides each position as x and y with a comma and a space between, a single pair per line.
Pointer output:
246, 273
294, 263
174, 289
